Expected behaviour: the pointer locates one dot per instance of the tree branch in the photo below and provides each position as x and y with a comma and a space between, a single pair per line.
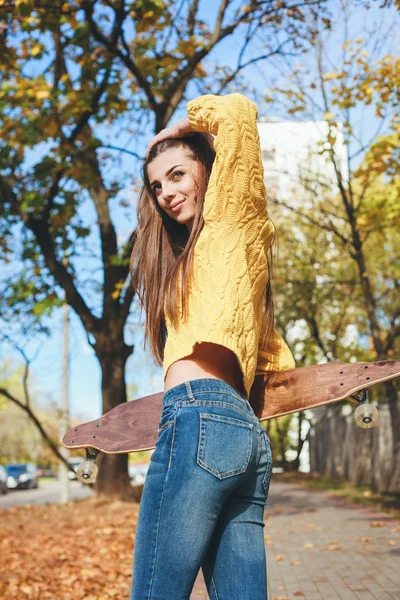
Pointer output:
62, 276
329, 228
25, 406
125, 58
393, 333
4, 392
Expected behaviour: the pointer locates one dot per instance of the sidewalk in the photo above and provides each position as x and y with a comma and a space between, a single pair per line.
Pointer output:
321, 547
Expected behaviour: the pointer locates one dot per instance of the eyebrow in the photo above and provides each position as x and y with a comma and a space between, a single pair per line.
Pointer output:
167, 173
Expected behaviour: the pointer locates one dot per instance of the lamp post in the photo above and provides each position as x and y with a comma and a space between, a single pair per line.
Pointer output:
64, 411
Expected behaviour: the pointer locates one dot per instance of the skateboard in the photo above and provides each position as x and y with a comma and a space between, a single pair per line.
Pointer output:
133, 426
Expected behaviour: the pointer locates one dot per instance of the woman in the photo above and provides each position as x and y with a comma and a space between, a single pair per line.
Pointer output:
201, 267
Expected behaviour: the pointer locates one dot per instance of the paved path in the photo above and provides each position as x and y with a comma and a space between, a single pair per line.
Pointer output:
47, 493
321, 547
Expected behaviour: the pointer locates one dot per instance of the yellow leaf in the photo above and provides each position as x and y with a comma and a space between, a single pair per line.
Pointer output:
328, 116
329, 76
36, 50
42, 94
51, 127
25, 588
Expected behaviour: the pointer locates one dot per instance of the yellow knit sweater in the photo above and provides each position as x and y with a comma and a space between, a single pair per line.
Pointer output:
226, 293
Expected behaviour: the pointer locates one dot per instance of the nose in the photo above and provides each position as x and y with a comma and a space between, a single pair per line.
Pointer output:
167, 191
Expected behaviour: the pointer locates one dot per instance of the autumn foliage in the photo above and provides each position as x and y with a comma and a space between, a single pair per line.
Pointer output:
76, 552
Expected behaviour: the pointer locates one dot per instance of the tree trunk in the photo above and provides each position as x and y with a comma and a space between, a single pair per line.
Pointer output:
281, 443
113, 478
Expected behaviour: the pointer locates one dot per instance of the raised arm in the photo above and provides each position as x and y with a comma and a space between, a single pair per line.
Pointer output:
236, 191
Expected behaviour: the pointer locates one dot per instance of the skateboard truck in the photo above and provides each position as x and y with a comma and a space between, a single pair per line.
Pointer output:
366, 415
87, 470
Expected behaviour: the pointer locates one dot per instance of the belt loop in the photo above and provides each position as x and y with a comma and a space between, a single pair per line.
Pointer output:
189, 391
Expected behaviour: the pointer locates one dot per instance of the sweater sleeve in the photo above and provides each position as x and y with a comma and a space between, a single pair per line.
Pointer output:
276, 357
236, 191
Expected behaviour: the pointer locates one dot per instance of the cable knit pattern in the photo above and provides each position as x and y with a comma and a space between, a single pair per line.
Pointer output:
226, 293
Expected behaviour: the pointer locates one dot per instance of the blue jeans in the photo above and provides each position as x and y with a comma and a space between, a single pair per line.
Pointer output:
203, 498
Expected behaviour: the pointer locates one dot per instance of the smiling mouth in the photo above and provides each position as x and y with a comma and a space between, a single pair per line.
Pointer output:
177, 205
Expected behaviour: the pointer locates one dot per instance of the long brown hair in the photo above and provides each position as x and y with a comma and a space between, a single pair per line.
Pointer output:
161, 262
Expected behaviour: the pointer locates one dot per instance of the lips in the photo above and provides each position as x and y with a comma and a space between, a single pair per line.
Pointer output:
174, 206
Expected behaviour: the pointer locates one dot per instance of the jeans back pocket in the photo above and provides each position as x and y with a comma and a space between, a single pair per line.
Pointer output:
224, 446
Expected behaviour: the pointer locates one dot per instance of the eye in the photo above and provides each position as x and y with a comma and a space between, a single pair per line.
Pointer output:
179, 173
154, 188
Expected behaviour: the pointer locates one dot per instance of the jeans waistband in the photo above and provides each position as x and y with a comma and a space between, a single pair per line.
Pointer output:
189, 389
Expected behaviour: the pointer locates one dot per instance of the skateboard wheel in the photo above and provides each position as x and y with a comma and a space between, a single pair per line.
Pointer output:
366, 416
87, 472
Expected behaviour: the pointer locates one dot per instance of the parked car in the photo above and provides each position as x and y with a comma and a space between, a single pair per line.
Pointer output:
22, 476
74, 461
3, 481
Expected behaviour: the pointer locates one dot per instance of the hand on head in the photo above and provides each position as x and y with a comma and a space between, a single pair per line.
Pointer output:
179, 129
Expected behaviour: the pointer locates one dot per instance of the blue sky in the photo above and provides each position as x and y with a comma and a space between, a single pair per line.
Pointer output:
143, 377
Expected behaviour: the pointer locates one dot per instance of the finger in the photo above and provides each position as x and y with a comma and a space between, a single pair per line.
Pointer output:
155, 140
160, 137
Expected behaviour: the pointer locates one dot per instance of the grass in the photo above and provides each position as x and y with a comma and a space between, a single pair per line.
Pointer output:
387, 503
44, 480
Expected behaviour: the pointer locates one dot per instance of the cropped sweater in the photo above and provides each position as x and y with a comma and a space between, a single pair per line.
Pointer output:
230, 269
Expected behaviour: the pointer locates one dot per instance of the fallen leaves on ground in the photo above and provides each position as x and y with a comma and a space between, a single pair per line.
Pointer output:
81, 551
378, 524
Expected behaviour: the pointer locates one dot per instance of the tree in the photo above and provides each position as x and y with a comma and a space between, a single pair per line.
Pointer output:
28, 432
347, 274
71, 72
36, 427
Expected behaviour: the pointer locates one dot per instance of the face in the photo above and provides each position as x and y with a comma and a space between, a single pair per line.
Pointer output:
173, 176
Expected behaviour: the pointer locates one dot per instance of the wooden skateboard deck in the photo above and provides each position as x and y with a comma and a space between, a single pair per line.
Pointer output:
133, 426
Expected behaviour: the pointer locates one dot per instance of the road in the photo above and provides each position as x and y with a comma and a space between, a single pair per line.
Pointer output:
47, 493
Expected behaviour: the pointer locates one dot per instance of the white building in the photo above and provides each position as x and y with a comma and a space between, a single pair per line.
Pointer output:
295, 151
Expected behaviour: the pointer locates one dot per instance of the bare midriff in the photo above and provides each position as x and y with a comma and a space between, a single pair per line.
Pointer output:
208, 360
